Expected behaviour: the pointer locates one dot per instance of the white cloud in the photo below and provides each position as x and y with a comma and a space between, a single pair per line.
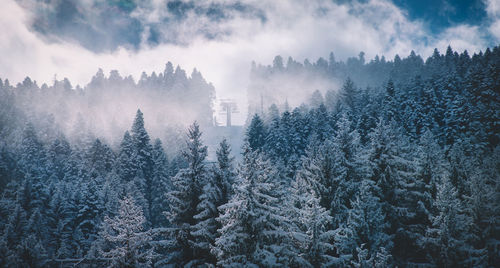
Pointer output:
495, 29
461, 37
493, 11
301, 29
493, 8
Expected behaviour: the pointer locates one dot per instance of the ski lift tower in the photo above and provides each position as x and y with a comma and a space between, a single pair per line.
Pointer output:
228, 107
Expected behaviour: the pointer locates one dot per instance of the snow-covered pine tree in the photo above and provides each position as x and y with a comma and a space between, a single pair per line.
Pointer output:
161, 185
481, 204
32, 163
32, 154
57, 155
69, 233
394, 170
8, 170
89, 215
286, 148
57, 218
14, 231
99, 160
316, 99
446, 240
318, 168
419, 193
224, 171
127, 238
348, 168
125, 164
367, 119
390, 103
364, 235
321, 123
33, 243
256, 133
216, 192
110, 194
184, 200
310, 226
143, 159
274, 141
251, 234
348, 99
300, 132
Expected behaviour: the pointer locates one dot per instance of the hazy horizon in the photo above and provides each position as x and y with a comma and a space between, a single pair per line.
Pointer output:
221, 38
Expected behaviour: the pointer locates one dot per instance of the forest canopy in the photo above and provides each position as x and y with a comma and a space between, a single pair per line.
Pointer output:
375, 164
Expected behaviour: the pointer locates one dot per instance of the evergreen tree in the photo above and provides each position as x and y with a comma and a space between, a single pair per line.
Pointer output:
348, 97
310, 226
99, 160
32, 162
32, 154
185, 198
251, 233
480, 203
69, 234
34, 253
88, 217
316, 99
57, 218
110, 193
365, 233
318, 168
126, 165
446, 240
216, 192
12, 239
143, 160
128, 240
256, 133
58, 153
391, 103
275, 141
348, 168
224, 171
161, 185
321, 123
300, 131
393, 169
416, 202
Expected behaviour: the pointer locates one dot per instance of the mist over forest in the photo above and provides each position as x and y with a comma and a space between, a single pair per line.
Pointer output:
249, 134
106, 106
385, 169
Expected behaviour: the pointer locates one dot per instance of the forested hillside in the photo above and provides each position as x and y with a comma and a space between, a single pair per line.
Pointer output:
105, 107
389, 163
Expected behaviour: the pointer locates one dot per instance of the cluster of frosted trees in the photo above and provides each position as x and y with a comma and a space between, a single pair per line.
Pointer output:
340, 202
106, 104
82, 200
403, 174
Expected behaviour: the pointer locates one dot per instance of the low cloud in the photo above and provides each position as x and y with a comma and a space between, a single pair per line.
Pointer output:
222, 45
493, 11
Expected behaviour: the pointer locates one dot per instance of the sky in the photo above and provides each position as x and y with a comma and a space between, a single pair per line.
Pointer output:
53, 39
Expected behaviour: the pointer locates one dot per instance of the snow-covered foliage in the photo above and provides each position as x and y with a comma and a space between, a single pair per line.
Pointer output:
125, 240
401, 173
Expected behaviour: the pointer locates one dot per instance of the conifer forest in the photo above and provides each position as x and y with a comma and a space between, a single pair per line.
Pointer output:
338, 162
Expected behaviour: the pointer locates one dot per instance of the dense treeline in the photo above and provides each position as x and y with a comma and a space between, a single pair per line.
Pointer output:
106, 105
470, 84
402, 174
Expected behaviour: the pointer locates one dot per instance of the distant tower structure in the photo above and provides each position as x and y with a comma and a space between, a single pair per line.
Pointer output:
228, 107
